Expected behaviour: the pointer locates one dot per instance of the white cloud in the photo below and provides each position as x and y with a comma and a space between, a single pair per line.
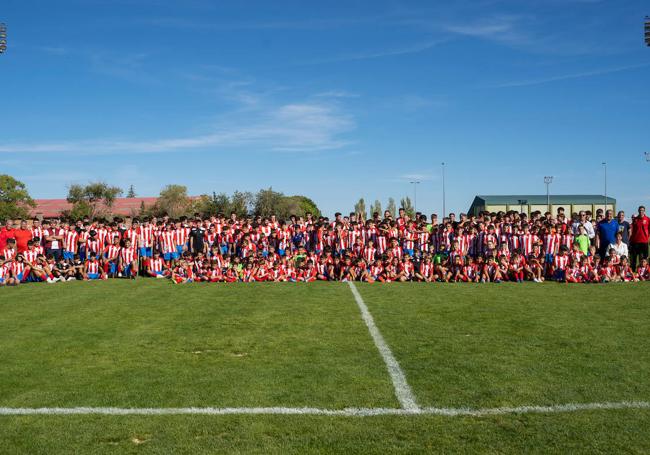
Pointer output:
337, 94
503, 28
388, 52
416, 177
571, 76
300, 127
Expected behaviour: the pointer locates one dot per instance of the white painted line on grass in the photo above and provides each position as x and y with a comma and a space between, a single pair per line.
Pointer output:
347, 412
402, 390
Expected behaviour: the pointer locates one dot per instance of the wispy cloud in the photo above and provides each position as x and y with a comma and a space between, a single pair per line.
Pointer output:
502, 28
564, 77
388, 52
416, 177
337, 94
302, 24
300, 127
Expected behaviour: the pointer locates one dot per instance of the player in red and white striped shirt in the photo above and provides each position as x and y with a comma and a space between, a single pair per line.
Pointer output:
560, 264
92, 268
157, 267
128, 262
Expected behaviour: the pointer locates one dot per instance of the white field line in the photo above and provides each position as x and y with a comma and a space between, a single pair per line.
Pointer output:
348, 412
402, 390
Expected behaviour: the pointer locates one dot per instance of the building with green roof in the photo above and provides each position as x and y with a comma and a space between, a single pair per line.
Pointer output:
528, 203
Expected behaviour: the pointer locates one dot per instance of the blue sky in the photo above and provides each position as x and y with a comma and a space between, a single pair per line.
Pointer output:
335, 100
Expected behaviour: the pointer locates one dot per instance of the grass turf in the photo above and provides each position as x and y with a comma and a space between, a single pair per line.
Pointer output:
151, 344
514, 344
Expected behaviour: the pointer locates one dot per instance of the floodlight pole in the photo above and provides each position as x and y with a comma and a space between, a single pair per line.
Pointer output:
606, 200
548, 179
444, 202
415, 195
647, 156
3, 37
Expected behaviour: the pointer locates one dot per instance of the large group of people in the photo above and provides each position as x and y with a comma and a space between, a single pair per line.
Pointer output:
581, 247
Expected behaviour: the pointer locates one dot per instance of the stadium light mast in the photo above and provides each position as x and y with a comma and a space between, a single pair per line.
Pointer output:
444, 202
606, 200
548, 179
647, 156
415, 195
3, 38
647, 30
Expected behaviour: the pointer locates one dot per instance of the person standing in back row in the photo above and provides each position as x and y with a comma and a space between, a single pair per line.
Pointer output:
606, 232
639, 237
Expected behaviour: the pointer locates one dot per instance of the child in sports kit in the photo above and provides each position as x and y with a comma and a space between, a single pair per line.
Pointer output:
560, 264
111, 258
406, 269
504, 268
607, 272
516, 268
62, 271
4, 272
324, 268
470, 271
425, 272
643, 271
625, 271
587, 273
309, 273
573, 274
156, 267
92, 268
179, 273
10, 250
457, 269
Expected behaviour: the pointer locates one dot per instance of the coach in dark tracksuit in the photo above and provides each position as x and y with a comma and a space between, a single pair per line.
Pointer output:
197, 237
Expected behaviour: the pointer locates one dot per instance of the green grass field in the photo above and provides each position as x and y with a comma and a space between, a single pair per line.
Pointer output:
149, 344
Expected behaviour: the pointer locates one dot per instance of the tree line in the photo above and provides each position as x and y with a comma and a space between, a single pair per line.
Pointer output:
375, 207
96, 199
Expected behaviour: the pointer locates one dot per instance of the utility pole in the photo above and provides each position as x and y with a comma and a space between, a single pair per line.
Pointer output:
548, 179
606, 200
444, 201
3, 38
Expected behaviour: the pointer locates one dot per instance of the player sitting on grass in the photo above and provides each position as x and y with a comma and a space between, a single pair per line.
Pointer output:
93, 269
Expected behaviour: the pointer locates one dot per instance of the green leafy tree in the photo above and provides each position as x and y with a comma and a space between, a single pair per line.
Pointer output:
174, 201
240, 203
407, 205
360, 209
204, 205
15, 200
376, 208
221, 203
268, 202
391, 207
297, 205
92, 200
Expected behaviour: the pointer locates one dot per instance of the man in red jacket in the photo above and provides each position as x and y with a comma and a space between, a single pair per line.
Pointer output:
22, 236
639, 238
6, 232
